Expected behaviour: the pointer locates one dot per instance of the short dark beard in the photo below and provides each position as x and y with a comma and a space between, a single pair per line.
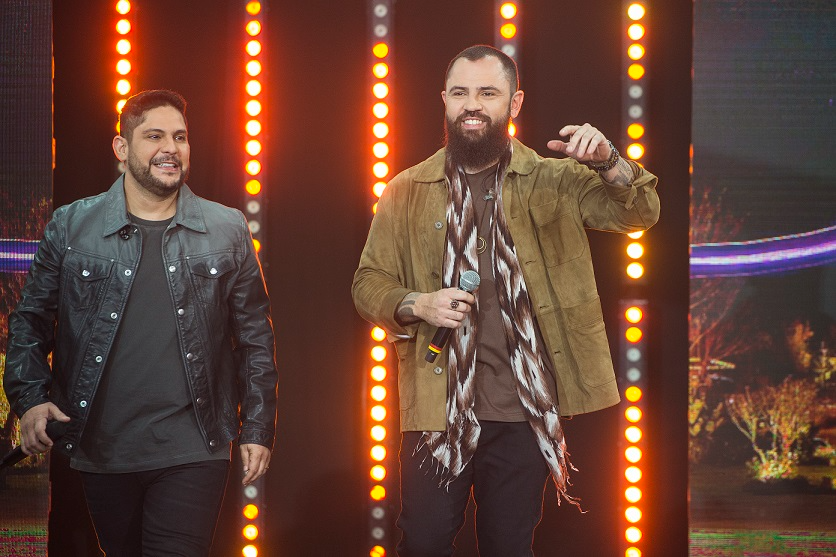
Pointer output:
142, 175
476, 151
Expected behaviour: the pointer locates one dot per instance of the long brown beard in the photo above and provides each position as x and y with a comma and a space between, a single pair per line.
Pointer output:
476, 151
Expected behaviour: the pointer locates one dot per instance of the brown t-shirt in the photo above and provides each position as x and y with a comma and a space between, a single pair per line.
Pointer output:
496, 389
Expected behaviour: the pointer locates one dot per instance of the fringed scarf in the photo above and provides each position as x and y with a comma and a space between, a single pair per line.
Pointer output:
452, 449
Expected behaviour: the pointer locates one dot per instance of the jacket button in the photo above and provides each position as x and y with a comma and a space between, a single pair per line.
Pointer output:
128, 272
213, 271
114, 315
171, 268
200, 401
213, 443
85, 273
438, 225
181, 311
98, 359
68, 446
190, 356
83, 404
437, 370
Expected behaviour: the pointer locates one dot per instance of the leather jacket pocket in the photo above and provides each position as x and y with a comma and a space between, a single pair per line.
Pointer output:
210, 277
84, 277
559, 235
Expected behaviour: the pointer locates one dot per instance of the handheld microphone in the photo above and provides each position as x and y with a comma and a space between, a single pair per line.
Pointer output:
468, 281
54, 429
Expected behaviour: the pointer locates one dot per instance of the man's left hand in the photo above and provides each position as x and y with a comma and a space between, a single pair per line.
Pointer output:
586, 144
256, 460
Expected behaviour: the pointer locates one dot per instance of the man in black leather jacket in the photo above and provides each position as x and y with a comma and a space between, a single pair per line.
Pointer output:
153, 305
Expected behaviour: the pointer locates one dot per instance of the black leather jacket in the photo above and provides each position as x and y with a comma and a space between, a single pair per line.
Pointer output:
79, 282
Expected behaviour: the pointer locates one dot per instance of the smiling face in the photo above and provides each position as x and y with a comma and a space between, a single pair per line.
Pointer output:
157, 154
479, 104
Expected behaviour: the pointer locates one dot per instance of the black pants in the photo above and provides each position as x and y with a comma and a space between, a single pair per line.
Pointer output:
167, 512
508, 477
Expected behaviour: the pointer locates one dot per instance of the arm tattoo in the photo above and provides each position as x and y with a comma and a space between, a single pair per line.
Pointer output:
620, 175
405, 315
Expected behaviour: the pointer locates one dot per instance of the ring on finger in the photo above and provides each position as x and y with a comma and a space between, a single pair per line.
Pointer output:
454, 304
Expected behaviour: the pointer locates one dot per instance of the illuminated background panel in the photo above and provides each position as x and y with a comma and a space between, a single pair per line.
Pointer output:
763, 275
25, 204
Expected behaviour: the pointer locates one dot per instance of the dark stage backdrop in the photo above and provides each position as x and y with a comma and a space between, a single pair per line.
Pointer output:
25, 195
763, 290
318, 217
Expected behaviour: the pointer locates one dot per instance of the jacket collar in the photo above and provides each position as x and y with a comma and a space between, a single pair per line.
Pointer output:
523, 161
188, 213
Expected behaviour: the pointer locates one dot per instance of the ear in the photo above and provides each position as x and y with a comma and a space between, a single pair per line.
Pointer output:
516, 102
444, 97
120, 148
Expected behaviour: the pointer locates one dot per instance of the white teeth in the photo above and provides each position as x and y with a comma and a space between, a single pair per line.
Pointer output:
472, 122
166, 165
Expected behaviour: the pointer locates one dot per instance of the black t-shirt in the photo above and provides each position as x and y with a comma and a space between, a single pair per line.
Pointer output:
142, 417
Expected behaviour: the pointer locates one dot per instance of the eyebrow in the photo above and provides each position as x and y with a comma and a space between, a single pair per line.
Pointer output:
485, 88
158, 130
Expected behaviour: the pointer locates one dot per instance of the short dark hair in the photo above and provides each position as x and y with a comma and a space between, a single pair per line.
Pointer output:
133, 113
479, 51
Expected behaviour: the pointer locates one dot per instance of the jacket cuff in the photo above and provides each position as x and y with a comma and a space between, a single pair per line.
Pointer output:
627, 195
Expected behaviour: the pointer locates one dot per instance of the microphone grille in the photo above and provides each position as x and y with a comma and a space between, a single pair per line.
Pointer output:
469, 281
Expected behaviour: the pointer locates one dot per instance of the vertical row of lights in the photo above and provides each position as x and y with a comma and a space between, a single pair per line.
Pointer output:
378, 382
633, 366
506, 36
635, 77
252, 497
125, 70
254, 119
381, 43
633, 379
635, 115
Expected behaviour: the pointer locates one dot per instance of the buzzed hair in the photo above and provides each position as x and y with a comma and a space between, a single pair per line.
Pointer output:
480, 51
133, 113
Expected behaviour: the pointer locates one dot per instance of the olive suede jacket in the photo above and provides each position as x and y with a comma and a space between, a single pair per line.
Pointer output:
548, 203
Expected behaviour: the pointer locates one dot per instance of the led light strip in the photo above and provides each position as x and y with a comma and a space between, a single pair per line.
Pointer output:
252, 175
506, 35
379, 383
633, 381
125, 67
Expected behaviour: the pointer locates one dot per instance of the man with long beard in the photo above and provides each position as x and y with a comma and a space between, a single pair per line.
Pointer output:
529, 345
153, 303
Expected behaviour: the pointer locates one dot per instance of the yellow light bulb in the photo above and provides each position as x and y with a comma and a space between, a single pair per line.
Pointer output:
253, 47
508, 10
380, 130
378, 453
253, 28
380, 90
380, 149
378, 373
378, 412
635, 11
633, 434
633, 494
380, 50
633, 394
635, 71
253, 187
378, 353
